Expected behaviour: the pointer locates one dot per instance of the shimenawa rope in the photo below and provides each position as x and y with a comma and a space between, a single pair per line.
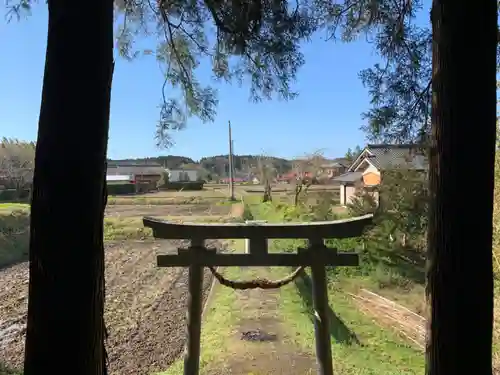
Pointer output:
257, 283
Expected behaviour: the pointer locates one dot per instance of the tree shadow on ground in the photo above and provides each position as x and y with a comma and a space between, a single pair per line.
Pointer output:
14, 237
338, 330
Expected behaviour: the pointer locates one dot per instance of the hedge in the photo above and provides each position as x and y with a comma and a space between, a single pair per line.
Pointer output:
145, 187
179, 185
121, 189
11, 195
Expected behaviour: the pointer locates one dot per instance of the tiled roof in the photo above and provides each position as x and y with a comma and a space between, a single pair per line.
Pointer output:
349, 177
397, 156
124, 163
136, 169
183, 169
333, 165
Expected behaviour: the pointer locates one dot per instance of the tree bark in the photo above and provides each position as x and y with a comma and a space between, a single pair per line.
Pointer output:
267, 192
460, 278
65, 332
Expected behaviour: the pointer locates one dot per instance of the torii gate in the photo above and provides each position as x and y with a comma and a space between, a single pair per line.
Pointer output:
316, 255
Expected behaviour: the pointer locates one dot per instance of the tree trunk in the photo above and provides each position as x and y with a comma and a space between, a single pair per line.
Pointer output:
460, 279
267, 193
298, 190
65, 332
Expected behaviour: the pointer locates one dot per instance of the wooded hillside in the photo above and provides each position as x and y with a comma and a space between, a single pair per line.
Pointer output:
218, 164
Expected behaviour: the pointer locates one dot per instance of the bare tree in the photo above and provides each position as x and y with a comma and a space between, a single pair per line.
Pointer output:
16, 164
300, 182
266, 171
308, 170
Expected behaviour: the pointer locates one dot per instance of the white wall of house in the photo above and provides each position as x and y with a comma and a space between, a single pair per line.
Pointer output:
119, 179
342, 194
371, 169
176, 175
346, 194
366, 167
350, 193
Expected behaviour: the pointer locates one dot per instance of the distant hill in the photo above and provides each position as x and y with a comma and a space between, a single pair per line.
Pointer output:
217, 165
243, 164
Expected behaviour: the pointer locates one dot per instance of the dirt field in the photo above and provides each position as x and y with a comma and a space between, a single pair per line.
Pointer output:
145, 305
206, 193
145, 318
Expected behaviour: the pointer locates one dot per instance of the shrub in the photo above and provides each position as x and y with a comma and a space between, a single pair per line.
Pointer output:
8, 195
121, 189
14, 195
247, 213
387, 277
391, 251
144, 187
401, 216
163, 180
14, 237
183, 185
5, 370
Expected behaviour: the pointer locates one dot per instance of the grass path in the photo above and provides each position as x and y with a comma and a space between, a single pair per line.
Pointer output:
359, 346
236, 315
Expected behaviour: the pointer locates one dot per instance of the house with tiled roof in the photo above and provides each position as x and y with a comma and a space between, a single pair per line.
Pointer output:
367, 169
334, 168
140, 172
292, 177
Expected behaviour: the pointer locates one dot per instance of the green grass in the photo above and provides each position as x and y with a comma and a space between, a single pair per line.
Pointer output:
218, 323
14, 230
9, 207
227, 202
411, 296
5, 370
131, 228
14, 233
380, 352
286, 195
153, 201
382, 280
496, 330
170, 197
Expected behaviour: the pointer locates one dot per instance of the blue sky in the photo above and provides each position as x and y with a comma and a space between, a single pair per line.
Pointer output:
326, 115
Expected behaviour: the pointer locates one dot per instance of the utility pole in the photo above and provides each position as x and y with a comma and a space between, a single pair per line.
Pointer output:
231, 170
